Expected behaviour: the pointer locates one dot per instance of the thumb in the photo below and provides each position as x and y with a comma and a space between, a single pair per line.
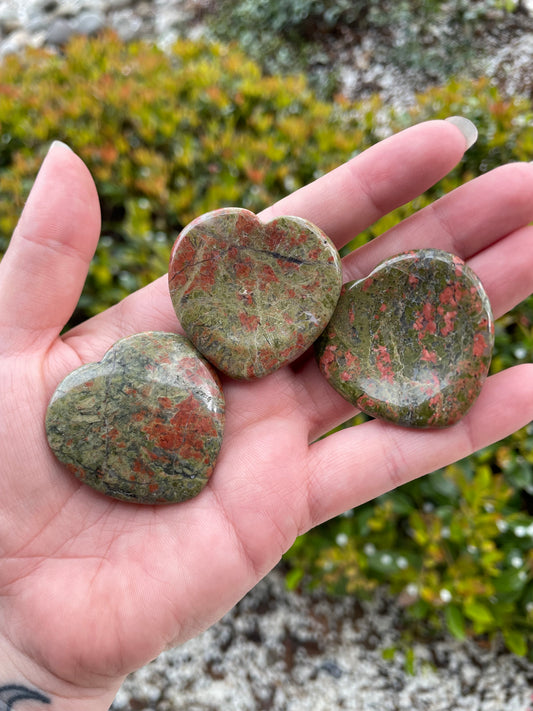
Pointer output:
45, 266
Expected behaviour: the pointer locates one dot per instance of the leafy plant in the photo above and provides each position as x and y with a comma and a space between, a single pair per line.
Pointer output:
434, 37
454, 547
166, 136
283, 35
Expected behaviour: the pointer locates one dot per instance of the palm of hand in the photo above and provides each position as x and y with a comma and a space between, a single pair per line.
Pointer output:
78, 566
92, 588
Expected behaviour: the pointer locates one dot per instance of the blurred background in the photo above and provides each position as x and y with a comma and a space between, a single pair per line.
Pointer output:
187, 106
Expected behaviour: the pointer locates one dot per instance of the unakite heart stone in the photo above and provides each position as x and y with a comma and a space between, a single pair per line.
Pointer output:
253, 296
144, 424
412, 342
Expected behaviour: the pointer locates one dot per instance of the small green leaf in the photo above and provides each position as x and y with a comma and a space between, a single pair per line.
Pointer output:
455, 621
478, 612
410, 660
509, 582
516, 642
293, 578
483, 477
389, 653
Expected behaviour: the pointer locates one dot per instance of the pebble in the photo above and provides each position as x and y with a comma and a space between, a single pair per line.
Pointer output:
412, 342
60, 31
144, 424
89, 23
253, 296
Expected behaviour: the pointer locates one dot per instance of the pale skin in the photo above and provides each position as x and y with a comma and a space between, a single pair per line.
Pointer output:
90, 588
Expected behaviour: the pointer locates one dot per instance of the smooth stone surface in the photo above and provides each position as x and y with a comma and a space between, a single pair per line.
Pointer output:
412, 342
144, 424
253, 296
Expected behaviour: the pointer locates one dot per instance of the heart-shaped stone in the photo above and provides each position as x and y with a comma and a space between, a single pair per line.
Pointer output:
253, 296
412, 342
144, 424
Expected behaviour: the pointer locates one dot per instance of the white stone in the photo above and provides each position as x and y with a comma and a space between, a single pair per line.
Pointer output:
60, 31
10, 21
128, 25
89, 23
118, 4
14, 43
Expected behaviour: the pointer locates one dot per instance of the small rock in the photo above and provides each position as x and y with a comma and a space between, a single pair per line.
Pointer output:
127, 25
10, 22
89, 23
68, 9
60, 31
412, 342
253, 296
469, 675
118, 4
15, 42
37, 24
331, 668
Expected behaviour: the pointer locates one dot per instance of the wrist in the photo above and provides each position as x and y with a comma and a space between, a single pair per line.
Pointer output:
22, 680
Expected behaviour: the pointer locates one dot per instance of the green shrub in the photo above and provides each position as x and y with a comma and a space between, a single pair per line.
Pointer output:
455, 547
169, 136
285, 34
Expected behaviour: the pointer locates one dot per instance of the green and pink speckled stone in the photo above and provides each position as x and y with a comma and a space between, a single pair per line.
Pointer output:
253, 296
412, 342
144, 424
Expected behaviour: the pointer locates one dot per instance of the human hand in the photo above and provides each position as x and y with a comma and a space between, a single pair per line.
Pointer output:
92, 588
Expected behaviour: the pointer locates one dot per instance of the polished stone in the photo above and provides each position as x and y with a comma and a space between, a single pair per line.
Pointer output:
253, 296
412, 342
144, 424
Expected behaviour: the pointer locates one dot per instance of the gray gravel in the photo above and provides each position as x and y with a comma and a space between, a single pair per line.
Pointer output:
277, 650
363, 68
289, 652
53, 22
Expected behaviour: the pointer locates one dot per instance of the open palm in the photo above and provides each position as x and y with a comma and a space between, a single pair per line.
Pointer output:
91, 588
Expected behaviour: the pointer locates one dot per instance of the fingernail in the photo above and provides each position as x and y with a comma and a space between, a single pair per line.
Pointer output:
59, 144
466, 127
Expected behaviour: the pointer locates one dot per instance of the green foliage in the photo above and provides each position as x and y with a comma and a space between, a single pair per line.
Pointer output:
169, 136
438, 37
454, 547
282, 35
291, 18
166, 136
285, 34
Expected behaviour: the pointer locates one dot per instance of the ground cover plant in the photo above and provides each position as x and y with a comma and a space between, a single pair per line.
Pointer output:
435, 38
169, 136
